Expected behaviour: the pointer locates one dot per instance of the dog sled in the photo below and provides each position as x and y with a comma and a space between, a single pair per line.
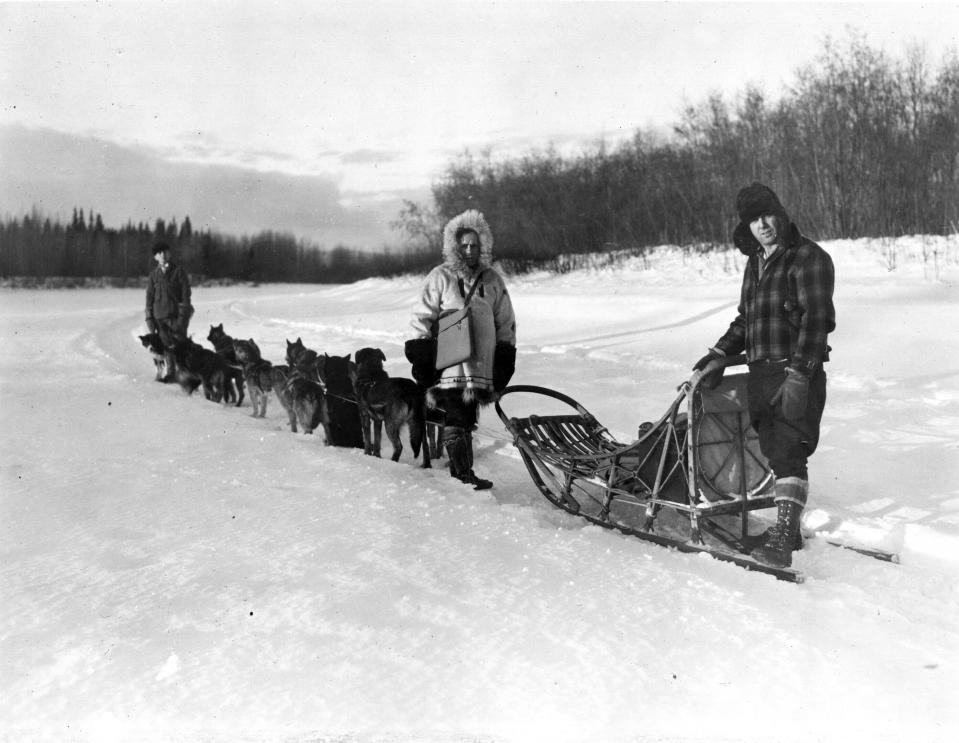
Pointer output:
691, 480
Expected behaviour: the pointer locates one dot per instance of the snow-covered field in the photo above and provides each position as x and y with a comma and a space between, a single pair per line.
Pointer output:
176, 570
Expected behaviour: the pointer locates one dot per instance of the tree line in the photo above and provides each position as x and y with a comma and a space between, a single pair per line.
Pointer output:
39, 246
859, 145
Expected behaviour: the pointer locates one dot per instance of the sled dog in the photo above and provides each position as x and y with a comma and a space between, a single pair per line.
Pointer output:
388, 401
257, 372
336, 375
223, 345
308, 405
154, 344
279, 376
299, 357
196, 366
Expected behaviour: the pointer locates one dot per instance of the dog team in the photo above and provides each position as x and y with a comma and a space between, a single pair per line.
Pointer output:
353, 401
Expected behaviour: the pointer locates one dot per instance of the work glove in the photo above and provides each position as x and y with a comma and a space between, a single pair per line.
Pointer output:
711, 380
504, 364
421, 354
792, 394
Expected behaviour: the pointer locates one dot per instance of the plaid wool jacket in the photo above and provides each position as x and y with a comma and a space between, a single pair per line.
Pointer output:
785, 310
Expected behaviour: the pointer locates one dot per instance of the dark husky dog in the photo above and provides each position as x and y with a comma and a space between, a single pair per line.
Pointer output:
196, 365
154, 344
223, 345
389, 401
337, 377
257, 372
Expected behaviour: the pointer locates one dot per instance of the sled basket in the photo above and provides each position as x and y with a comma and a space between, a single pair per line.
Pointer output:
690, 480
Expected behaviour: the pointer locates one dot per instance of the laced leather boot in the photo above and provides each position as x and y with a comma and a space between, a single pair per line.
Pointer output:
777, 550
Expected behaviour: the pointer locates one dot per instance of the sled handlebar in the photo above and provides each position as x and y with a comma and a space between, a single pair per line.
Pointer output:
717, 364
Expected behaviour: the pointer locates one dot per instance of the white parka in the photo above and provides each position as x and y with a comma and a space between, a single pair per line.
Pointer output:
445, 289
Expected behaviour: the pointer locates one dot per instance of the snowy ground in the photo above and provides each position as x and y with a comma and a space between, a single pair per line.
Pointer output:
176, 570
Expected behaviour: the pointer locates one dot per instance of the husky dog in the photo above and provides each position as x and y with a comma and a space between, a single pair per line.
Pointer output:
154, 344
337, 378
223, 345
196, 365
256, 373
389, 401
299, 357
308, 405
279, 375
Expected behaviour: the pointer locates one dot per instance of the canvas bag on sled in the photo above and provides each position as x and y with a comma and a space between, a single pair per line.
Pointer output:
454, 333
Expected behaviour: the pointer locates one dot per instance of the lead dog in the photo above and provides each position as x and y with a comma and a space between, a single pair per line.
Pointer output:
154, 344
391, 402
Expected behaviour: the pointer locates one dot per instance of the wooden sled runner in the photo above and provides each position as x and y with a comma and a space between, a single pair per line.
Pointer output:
690, 481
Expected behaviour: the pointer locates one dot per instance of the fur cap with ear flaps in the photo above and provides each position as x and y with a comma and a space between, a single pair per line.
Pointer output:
755, 200
473, 220
752, 202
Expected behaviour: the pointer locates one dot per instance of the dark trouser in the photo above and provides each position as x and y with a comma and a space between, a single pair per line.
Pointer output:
787, 444
170, 330
458, 412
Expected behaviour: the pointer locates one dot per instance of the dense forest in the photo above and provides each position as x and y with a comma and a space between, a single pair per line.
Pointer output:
859, 144
37, 246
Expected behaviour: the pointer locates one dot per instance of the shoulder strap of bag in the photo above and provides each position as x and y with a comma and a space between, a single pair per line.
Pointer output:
473, 288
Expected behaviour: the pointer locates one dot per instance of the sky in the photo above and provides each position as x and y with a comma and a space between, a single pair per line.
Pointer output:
319, 118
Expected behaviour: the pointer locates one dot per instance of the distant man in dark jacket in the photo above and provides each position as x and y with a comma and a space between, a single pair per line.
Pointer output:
168, 308
785, 315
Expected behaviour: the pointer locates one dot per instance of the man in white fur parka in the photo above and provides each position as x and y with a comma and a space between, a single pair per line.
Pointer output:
460, 389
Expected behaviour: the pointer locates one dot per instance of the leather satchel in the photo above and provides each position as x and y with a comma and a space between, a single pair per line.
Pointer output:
454, 333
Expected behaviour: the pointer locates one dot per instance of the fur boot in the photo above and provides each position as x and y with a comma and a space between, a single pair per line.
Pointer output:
459, 451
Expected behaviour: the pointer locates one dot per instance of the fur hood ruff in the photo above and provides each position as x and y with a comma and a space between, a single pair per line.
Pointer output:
472, 220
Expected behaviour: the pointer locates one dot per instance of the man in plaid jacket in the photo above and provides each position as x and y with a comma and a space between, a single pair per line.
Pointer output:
785, 316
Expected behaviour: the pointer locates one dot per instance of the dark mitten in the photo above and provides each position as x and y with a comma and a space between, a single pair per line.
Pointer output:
504, 364
421, 355
711, 380
792, 393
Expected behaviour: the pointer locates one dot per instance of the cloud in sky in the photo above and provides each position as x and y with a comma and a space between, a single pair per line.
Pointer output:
367, 100
56, 172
